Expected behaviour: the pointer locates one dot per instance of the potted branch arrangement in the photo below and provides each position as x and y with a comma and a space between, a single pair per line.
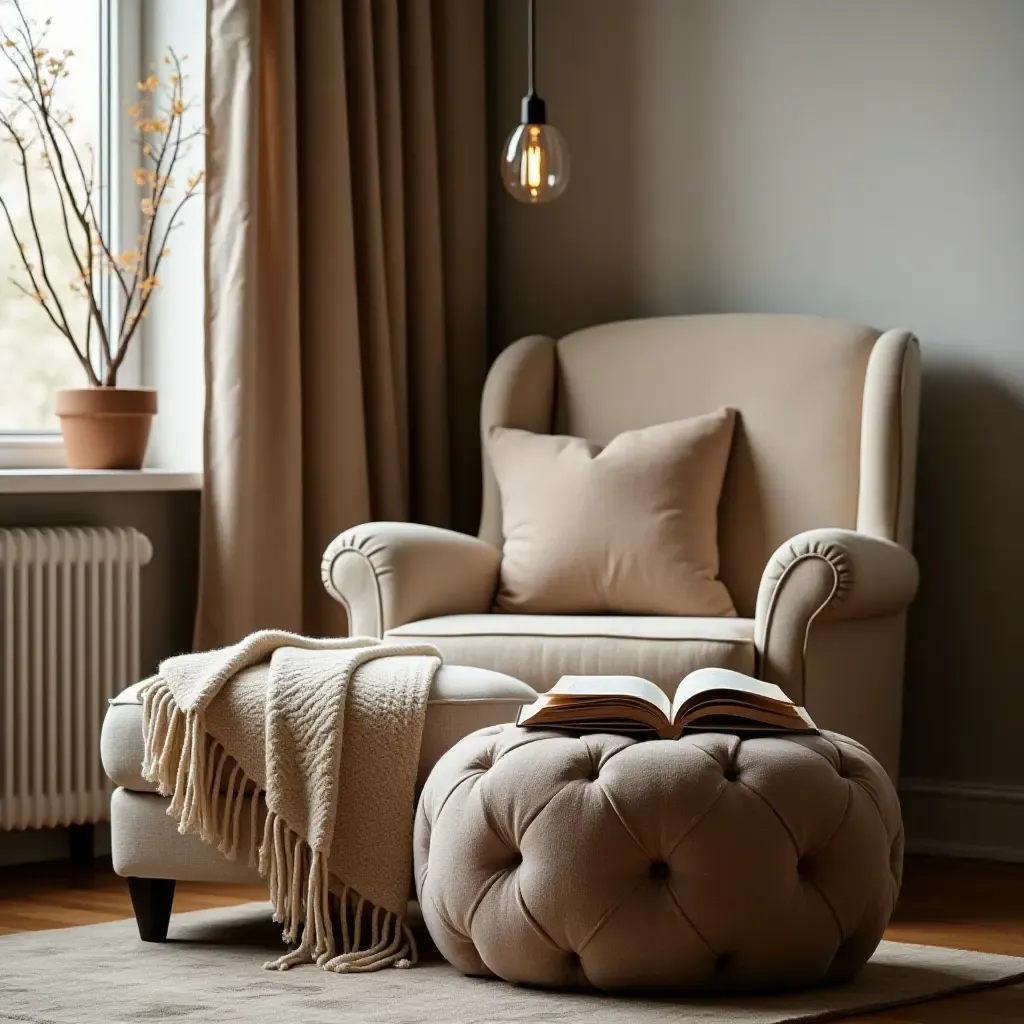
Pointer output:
104, 426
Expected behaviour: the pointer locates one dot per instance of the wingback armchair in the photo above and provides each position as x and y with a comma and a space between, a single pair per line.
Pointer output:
814, 520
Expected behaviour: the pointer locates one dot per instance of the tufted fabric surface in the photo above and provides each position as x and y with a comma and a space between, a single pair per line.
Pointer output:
703, 865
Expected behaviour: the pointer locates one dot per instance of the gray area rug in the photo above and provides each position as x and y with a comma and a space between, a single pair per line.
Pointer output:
210, 970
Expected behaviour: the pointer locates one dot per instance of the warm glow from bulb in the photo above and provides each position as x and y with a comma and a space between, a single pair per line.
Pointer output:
535, 165
530, 170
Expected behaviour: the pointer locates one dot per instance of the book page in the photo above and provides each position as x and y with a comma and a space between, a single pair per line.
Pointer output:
705, 679
604, 686
733, 712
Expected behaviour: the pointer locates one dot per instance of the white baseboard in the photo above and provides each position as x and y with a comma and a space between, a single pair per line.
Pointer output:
981, 821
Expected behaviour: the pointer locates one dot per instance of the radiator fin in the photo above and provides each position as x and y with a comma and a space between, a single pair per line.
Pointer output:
69, 640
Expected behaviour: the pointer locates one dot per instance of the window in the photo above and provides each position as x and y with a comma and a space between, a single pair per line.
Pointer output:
35, 358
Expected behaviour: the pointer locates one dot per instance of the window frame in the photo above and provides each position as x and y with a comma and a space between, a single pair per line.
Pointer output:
120, 34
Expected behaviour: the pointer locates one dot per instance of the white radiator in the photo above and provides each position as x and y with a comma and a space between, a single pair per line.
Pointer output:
69, 640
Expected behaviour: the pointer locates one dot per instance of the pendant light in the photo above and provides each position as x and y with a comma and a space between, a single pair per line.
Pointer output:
535, 162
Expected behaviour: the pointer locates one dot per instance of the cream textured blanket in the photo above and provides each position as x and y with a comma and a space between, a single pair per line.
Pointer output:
326, 744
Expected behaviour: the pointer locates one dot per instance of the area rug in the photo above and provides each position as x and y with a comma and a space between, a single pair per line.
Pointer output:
103, 974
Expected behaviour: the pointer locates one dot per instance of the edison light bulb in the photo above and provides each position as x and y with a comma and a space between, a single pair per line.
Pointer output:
535, 163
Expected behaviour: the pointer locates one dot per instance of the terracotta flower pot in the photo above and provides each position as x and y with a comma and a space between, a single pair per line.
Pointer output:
106, 428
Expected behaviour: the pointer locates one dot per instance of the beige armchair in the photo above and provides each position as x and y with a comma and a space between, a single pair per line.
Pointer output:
814, 522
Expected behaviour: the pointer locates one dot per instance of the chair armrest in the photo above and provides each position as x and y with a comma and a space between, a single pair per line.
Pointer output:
825, 576
388, 574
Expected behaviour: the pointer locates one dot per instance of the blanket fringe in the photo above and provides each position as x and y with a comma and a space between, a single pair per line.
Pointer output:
187, 765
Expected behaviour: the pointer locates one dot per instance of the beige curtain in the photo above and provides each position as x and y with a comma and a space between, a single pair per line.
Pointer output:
346, 279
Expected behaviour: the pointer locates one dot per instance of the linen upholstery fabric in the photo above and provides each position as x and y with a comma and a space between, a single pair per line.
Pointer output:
825, 438
801, 458
461, 700
708, 864
628, 528
389, 573
852, 589
540, 648
346, 290
145, 843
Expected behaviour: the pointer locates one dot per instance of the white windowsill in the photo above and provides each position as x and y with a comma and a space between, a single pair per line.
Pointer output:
88, 481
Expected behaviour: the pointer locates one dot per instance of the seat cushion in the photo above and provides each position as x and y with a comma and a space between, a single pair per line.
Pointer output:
540, 648
462, 700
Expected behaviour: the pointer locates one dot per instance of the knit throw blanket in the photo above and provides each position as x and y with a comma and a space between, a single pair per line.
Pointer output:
324, 743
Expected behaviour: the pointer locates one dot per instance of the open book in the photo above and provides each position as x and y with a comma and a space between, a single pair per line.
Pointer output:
712, 699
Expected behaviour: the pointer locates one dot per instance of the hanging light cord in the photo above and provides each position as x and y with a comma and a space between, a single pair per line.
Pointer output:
531, 31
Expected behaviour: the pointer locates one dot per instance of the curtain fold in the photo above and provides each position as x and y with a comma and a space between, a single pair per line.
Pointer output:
346, 290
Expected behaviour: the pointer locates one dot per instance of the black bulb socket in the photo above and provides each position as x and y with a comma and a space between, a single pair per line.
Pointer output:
534, 110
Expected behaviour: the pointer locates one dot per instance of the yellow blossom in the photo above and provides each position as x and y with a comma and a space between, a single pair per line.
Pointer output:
147, 207
135, 111
140, 175
150, 84
177, 107
148, 125
149, 284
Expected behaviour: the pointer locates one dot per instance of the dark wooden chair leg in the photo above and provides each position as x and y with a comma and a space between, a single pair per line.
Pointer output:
152, 899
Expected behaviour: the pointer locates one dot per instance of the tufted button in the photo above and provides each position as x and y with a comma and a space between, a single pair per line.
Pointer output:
723, 962
803, 866
659, 870
515, 860
730, 774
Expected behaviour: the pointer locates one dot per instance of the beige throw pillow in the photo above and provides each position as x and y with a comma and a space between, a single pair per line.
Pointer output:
631, 528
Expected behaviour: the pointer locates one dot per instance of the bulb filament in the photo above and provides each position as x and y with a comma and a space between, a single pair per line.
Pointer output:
532, 160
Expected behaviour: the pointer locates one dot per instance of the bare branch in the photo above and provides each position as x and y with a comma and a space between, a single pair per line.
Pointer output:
39, 296
161, 111
159, 187
47, 119
30, 205
144, 303
90, 209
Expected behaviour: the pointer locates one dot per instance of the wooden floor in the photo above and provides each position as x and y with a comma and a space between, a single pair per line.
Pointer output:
968, 904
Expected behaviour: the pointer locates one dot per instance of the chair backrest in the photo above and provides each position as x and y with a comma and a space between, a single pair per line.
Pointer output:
826, 433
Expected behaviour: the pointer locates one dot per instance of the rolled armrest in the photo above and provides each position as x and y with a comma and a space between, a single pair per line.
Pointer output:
388, 574
825, 576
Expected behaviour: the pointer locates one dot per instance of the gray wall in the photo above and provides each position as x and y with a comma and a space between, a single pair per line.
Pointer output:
171, 521
863, 160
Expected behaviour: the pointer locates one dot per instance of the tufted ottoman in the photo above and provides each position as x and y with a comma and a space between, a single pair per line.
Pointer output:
708, 864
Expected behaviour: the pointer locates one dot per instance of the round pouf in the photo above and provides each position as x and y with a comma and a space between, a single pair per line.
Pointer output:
711, 864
